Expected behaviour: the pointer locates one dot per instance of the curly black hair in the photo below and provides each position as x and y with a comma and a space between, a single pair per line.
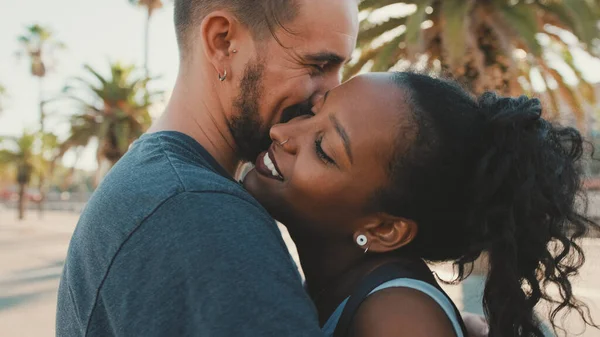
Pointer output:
490, 175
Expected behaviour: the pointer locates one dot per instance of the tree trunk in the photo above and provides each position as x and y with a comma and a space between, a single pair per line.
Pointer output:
41, 102
22, 201
42, 189
41, 185
147, 43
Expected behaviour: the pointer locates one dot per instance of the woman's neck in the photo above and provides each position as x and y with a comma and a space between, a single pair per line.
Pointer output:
323, 263
332, 270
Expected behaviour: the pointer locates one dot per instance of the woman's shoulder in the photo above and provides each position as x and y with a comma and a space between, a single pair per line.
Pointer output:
401, 310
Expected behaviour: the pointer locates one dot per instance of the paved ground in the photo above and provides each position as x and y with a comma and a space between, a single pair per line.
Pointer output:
31, 259
32, 254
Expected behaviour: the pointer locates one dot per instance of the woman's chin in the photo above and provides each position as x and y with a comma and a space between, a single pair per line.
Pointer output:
256, 186
271, 198
251, 183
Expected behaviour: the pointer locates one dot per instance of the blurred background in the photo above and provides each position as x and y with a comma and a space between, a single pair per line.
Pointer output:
81, 80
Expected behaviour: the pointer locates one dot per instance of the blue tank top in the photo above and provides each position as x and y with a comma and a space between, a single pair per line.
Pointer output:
424, 287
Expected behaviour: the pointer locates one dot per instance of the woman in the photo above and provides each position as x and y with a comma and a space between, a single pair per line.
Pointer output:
398, 167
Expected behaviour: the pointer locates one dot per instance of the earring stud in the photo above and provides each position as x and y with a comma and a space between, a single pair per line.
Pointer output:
361, 240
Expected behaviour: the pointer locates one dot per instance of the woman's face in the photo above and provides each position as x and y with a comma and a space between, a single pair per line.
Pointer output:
321, 172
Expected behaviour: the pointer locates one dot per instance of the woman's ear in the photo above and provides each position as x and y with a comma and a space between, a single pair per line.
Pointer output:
385, 233
218, 30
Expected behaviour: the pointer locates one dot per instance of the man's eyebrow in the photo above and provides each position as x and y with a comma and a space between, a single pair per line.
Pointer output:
342, 133
323, 57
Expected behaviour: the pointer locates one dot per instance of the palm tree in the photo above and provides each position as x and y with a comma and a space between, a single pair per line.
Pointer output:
112, 110
39, 45
150, 6
2, 97
487, 45
22, 159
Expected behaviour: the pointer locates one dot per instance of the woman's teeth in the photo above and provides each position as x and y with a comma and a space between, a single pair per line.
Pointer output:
269, 164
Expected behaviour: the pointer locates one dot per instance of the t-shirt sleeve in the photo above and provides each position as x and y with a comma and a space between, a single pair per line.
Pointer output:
204, 264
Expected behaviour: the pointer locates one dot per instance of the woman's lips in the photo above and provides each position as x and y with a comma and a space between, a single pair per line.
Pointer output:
267, 166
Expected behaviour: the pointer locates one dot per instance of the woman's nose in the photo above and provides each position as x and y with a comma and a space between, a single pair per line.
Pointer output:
283, 136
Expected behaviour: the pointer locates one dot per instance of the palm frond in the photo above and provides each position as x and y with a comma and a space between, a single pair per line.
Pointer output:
387, 56
569, 95
7, 157
585, 19
365, 57
522, 20
374, 4
370, 32
454, 34
413, 27
553, 100
99, 77
585, 88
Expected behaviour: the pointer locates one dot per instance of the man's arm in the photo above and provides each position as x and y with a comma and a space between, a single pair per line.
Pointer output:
205, 264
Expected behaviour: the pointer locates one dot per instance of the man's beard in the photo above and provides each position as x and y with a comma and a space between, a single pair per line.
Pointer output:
250, 134
249, 131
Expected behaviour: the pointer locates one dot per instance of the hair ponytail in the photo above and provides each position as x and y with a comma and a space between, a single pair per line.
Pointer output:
490, 175
525, 205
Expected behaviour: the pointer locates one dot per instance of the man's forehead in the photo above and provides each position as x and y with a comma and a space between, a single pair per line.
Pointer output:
330, 11
325, 27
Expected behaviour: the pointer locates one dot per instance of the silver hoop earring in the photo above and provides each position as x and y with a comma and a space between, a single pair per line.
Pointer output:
223, 77
285, 141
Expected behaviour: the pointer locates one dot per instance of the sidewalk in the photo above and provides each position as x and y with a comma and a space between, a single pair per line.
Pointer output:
32, 254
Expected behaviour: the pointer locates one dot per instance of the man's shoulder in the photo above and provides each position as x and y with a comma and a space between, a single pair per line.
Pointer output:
157, 168
164, 187
213, 210
159, 181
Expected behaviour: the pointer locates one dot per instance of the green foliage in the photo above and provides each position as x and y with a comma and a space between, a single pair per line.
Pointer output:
112, 109
19, 153
39, 45
486, 45
3, 95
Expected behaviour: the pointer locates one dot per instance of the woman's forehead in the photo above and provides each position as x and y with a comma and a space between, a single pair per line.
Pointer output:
371, 105
374, 111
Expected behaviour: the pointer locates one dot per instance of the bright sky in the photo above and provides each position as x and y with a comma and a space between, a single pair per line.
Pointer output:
95, 32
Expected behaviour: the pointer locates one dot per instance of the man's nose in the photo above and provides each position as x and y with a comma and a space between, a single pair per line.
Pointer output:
317, 104
331, 81
316, 100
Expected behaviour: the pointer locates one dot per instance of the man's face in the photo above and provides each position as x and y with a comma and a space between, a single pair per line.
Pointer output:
292, 70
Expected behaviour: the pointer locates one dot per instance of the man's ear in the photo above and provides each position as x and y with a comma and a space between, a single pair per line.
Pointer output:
386, 232
218, 31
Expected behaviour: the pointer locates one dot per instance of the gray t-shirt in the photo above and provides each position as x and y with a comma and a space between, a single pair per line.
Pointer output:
169, 245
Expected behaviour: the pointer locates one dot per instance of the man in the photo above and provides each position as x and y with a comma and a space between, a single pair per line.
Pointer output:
169, 244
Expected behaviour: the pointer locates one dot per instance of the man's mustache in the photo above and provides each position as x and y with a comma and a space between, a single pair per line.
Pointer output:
296, 110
